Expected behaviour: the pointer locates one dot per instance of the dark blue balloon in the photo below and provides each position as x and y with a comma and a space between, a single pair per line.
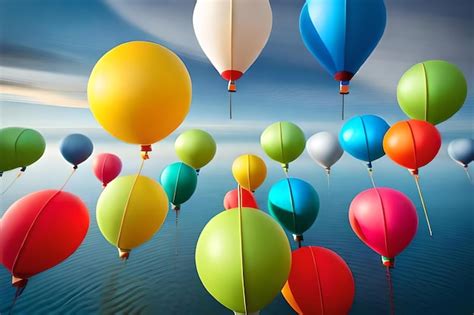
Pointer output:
362, 137
76, 148
342, 34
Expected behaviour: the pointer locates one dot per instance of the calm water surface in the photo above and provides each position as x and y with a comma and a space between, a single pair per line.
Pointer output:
432, 276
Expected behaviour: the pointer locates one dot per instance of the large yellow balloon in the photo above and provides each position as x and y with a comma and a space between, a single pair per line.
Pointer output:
130, 210
249, 171
139, 92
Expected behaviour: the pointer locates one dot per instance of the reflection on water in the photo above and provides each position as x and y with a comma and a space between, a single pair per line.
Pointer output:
434, 275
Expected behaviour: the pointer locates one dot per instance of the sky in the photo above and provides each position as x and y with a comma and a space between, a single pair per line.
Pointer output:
49, 47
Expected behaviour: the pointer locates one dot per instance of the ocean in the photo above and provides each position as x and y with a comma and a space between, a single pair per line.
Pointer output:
432, 276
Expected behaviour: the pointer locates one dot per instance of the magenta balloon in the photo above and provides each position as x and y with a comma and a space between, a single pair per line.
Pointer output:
107, 167
385, 220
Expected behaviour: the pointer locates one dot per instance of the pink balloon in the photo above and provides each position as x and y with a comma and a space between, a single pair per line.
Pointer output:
107, 167
231, 199
385, 220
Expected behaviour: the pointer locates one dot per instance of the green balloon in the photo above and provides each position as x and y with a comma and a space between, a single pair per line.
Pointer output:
20, 147
283, 142
432, 91
179, 182
262, 246
195, 147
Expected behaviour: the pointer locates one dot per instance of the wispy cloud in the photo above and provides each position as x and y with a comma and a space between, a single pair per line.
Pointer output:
42, 87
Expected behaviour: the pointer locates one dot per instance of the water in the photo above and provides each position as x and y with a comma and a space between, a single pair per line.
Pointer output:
433, 275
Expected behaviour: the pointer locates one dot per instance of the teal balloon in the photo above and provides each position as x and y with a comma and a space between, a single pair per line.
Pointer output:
179, 182
294, 203
20, 147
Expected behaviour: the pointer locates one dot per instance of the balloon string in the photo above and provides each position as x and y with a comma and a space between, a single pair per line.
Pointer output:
128, 201
67, 179
230, 105
176, 234
12, 183
343, 105
390, 291
241, 243
18, 292
329, 181
371, 175
423, 204
466, 169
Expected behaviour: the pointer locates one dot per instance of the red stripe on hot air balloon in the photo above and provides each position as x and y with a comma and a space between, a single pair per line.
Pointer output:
343, 76
231, 75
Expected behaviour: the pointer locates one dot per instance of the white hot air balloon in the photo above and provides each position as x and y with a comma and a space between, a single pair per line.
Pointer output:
232, 33
324, 148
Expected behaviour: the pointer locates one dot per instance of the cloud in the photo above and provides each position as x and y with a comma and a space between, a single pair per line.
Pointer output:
19, 56
42, 87
415, 32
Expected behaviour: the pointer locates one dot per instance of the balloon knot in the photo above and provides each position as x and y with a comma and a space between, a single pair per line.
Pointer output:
369, 165
285, 167
144, 151
104, 185
197, 171
175, 207
124, 253
328, 170
23, 169
298, 237
414, 172
74, 167
388, 262
19, 282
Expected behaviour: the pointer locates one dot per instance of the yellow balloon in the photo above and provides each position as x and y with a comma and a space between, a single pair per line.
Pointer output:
130, 210
249, 171
139, 92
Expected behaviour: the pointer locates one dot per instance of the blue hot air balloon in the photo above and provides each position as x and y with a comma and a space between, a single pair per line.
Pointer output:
342, 34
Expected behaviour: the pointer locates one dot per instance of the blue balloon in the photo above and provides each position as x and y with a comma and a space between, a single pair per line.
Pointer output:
76, 148
294, 203
342, 34
461, 151
362, 137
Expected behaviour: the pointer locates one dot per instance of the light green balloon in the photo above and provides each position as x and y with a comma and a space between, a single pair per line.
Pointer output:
433, 91
265, 252
20, 147
195, 147
130, 210
283, 142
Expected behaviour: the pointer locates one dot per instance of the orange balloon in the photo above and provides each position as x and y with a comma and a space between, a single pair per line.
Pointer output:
412, 143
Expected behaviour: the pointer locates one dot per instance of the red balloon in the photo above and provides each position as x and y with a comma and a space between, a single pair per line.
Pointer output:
107, 167
385, 220
231, 199
41, 230
320, 282
412, 143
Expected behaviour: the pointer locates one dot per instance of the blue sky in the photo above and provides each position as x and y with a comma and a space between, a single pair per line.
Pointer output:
49, 47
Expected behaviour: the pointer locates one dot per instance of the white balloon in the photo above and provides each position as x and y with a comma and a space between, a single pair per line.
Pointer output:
232, 33
324, 148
